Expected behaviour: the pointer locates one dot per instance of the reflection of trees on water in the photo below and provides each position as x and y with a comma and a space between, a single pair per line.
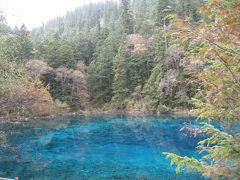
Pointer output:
3, 139
48, 145
26, 140
154, 132
141, 133
158, 136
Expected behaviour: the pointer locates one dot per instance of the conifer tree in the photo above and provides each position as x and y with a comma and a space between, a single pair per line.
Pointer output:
23, 38
162, 9
100, 73
127, 17
217, 46
121, 79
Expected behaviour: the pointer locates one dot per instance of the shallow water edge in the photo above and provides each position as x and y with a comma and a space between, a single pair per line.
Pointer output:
97, 147
95, 112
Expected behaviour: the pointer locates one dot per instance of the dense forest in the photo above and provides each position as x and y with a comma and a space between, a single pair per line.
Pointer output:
108, 55
137, 56
131, 64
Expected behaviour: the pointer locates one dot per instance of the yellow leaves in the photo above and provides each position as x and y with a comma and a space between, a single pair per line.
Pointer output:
25, 96
224, 27
40, 101
170, 17
62, 105
139, 49
184, 162
216, 42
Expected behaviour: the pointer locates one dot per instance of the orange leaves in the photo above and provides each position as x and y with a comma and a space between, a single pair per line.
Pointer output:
221, 24
215, 40
225, 13
40, 100
26, 97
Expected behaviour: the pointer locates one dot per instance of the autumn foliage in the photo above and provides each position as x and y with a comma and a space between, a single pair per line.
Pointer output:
215, 41
21, 95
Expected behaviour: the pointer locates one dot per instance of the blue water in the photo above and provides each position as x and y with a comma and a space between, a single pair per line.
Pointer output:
104, 147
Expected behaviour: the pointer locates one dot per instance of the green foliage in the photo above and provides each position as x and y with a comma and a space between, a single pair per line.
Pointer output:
123, 47
60, 53
134, 62
163, 8
219, 98
17, 47
184, 162
65, 85
222, 159
2, 23
188, 8
126, 17
100, 73
23, 37
121, 79
84, 48
22, 95
169, 86
98, 34
151, 92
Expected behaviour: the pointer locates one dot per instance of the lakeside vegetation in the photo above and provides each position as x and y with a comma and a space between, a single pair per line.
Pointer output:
140, 56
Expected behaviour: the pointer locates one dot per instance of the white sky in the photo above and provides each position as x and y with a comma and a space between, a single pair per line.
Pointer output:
34, 12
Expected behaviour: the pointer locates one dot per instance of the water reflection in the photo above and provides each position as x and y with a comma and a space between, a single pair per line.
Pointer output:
101, 147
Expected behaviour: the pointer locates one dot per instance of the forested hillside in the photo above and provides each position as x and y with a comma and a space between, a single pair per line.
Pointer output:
138, 56
130, 61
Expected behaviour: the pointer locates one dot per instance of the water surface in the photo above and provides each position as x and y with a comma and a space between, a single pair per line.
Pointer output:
103, 147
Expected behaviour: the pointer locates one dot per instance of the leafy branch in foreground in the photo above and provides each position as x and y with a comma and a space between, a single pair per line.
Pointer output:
184, 162
221, 159
215, 42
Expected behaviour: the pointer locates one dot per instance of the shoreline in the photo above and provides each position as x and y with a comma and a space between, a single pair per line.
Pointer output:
127, 112
94, 112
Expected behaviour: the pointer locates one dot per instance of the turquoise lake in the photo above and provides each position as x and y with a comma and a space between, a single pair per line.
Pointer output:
97, 147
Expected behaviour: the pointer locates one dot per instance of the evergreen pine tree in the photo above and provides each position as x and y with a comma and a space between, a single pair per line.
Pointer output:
25, 43
121, 80
127, 17
100, 73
